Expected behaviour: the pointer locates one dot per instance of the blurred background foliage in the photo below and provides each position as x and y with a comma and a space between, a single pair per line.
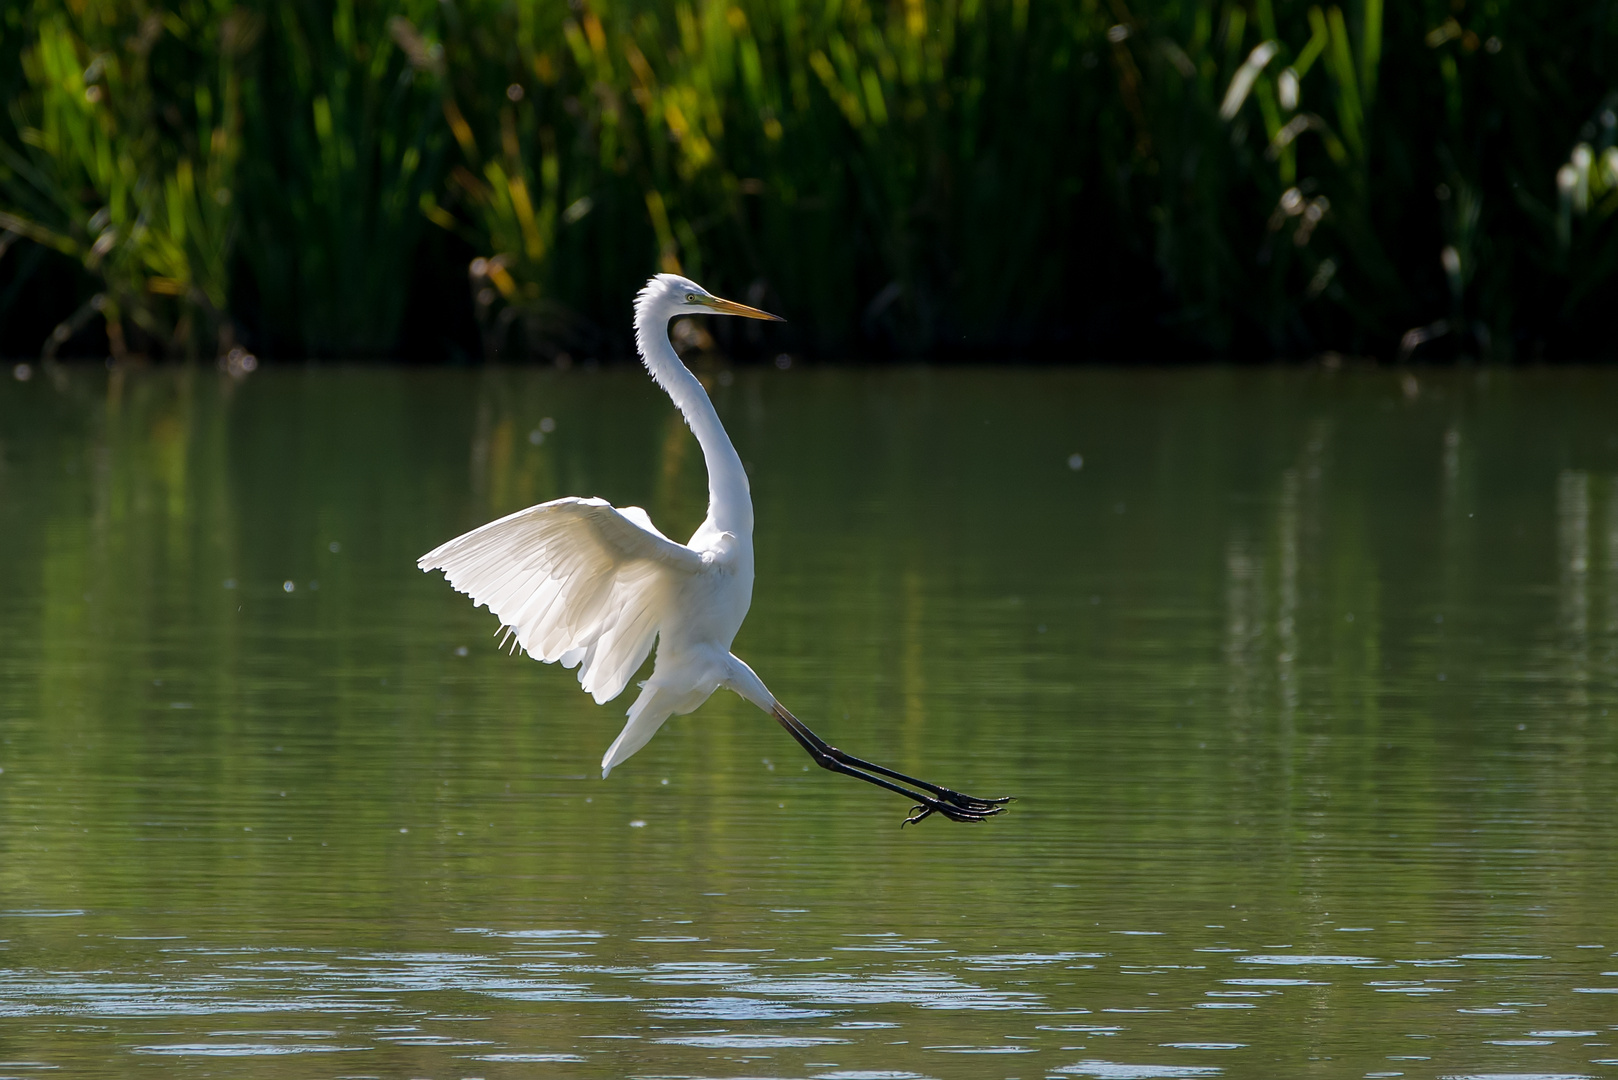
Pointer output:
444, 179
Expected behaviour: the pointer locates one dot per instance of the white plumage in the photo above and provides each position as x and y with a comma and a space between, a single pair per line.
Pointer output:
587, 585
574, 581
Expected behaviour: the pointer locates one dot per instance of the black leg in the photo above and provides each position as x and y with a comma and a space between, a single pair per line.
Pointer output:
966, 802
952, 804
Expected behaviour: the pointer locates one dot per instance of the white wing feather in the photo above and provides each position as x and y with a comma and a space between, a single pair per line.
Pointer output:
577, 581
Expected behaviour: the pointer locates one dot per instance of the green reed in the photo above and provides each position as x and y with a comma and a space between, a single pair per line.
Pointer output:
344, 130
1399, 178
919, 176
128, 138
863, 161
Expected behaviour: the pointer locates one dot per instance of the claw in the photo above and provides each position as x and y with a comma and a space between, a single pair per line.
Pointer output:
917, 813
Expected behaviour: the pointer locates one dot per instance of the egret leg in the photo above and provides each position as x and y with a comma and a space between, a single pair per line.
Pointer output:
952, 804
926, 804
968, 802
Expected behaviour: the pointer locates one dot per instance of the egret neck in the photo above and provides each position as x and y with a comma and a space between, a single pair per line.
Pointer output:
730, 502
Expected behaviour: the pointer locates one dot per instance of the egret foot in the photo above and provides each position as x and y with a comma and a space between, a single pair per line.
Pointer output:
924, 810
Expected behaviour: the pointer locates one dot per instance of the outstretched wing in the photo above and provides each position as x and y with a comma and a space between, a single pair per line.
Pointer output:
576, 580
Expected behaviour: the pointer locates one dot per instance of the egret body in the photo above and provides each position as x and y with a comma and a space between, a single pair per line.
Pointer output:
592, 586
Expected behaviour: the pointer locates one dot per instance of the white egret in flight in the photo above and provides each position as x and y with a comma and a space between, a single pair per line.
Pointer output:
590, 585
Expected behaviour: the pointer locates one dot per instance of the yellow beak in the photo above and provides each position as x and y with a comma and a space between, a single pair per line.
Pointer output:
731, 307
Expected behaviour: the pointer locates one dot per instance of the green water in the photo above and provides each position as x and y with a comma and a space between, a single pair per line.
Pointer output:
1307, 686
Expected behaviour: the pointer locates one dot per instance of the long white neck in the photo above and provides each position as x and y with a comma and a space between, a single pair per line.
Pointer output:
730, 501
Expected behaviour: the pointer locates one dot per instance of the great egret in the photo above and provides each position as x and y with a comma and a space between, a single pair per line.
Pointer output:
590, 585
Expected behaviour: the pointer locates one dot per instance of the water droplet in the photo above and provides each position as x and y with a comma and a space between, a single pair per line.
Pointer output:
1075, 462
287, 586
637, 824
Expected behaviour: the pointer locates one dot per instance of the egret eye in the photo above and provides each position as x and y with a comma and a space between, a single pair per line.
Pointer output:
690, 297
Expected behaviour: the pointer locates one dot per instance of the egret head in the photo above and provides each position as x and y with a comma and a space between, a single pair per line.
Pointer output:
682, 296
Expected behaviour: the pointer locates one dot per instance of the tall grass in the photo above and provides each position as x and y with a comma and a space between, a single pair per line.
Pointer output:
913, 176
861, 166
1384, 180
345, 135
127, 141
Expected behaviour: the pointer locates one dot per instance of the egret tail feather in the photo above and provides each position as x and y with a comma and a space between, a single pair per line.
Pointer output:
646, 715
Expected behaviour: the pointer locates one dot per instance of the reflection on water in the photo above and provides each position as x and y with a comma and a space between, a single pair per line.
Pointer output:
510, 1005
1307, 688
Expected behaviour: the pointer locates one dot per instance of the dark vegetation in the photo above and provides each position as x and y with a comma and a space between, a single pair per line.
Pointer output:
449, 179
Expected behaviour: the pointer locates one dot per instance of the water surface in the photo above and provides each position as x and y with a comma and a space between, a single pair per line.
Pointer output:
1307, 685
